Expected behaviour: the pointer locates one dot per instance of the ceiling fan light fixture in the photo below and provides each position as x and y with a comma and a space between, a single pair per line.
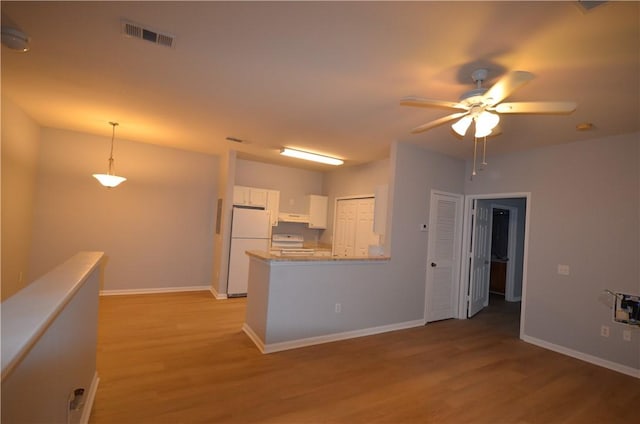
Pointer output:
301, 154
462, 125
15, 39
485, 123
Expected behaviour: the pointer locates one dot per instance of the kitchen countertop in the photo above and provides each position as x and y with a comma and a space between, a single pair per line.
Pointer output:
259, 254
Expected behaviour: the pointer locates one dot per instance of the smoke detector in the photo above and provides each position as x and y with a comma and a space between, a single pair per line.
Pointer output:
15, 39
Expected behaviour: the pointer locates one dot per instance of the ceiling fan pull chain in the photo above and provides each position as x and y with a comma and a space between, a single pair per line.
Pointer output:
475, 148
484, 154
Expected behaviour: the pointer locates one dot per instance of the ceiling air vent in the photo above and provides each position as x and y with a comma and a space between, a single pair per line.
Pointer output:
131, 29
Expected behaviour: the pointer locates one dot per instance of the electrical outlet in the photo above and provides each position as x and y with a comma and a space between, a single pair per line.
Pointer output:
626, 335
563, 269
604, 331
338, 308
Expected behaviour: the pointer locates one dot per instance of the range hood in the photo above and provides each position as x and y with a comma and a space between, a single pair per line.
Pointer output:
293, 217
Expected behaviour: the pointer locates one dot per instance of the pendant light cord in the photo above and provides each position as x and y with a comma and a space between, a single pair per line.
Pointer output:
113, 136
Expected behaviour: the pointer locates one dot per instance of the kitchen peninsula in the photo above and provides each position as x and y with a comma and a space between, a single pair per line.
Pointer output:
296, 301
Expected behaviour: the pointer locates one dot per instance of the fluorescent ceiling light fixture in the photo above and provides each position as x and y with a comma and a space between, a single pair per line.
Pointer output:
109, 179
301, 154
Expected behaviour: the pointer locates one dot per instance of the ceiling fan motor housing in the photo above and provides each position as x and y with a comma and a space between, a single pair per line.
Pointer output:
473, 97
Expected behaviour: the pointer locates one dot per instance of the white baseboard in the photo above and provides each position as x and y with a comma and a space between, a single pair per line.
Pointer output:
219, 296
88, 403
310, 341
633, 372
254, 337
153, 291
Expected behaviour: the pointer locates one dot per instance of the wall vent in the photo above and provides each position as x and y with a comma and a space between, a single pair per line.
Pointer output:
133, 30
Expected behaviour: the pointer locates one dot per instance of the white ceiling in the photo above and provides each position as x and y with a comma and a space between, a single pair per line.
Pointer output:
326, 76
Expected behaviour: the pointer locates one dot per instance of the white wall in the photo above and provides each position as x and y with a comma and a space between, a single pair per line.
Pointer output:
49, 341
584, 213
20, 143
156, 229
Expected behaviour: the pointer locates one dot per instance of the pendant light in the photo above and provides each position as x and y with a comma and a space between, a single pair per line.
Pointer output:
109, 179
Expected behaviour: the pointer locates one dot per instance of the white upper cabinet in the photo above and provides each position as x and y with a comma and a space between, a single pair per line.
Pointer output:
249, 196
317, 207
273, 205
258, 197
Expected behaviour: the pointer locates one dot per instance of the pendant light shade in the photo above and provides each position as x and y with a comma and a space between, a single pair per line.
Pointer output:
109, 179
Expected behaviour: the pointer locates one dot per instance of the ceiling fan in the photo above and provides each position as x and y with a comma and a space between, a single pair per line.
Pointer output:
482, 105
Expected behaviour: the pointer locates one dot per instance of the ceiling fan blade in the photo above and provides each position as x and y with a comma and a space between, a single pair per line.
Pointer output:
437, 122
422, 102
507, 85
536, 107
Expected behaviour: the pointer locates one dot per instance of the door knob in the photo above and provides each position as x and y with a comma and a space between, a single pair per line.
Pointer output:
433, 264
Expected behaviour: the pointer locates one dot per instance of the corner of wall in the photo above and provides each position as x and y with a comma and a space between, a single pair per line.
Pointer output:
20, 153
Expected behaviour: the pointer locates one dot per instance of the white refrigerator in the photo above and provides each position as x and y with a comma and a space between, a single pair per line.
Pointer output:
250, 230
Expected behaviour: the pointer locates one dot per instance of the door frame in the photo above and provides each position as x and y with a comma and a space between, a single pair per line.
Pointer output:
457, 263
465, 248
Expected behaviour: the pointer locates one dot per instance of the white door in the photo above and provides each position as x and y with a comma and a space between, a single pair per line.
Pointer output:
353, 227
364, 227
344, 226
480, 258
443, 261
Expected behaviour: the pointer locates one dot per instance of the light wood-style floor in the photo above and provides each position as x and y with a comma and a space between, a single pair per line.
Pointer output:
182, 358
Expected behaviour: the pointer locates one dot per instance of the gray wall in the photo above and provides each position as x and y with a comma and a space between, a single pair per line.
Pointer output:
156, 229
414, 173
584, 213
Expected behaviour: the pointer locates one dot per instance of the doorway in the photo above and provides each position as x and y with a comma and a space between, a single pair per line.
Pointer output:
503, 219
